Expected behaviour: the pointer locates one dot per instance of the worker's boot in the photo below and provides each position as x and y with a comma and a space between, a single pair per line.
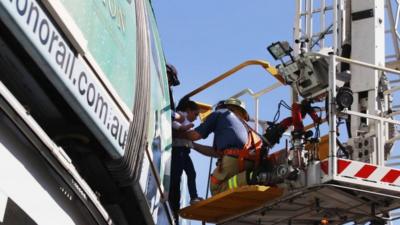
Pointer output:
195, 200
268, 178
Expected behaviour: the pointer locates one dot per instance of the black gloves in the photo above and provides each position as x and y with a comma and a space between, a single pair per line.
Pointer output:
274, 133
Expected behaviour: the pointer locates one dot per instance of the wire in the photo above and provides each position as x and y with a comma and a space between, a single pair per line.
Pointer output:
209, 177
341, 147
278, 112
317, 130
321, 36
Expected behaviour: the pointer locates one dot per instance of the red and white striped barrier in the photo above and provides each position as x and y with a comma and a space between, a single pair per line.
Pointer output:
364, 171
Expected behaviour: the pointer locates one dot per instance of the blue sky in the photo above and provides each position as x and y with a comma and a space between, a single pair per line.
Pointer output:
206, 38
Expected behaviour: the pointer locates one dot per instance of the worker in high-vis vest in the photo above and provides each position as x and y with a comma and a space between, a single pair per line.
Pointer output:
236, 145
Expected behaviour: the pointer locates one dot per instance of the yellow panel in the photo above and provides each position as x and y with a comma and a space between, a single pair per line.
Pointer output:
203, 115
230, 203
322, 152
322, 147
272, 70
205, 110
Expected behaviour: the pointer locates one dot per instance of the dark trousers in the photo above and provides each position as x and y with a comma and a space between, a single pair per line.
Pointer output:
181, 161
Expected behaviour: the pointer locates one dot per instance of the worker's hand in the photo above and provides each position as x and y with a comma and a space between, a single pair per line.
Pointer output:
187, 126
274, 133
176, 116
205, 150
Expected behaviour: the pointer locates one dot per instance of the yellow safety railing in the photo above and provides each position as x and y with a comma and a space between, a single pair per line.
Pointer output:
264, 64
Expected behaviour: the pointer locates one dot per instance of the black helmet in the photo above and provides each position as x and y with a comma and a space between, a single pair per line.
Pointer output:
172, 75
220, 104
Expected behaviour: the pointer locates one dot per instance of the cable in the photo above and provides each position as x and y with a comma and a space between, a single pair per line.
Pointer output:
317, 130
278, 112
209, 177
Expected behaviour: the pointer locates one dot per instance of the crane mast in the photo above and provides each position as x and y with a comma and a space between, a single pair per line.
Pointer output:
355, 29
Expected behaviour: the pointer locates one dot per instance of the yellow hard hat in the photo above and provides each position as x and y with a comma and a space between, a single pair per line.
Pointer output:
238, 103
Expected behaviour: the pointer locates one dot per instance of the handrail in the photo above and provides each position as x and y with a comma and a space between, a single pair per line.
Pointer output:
257, 94
357, 62
256, 97
270, 69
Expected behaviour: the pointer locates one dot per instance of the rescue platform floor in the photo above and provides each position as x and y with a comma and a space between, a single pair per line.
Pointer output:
231, 203
261, 205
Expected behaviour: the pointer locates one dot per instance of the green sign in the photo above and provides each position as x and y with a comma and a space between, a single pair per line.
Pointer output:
109, 27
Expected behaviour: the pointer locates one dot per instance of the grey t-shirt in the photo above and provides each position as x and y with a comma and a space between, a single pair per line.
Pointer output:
229, 131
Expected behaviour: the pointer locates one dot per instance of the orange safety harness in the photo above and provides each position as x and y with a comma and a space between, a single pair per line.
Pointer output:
251, 150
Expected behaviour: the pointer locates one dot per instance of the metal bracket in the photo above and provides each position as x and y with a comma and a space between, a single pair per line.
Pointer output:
362, 14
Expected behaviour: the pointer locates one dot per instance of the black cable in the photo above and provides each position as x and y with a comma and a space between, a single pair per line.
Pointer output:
317, 130
321, 36
339, 144
209, 177
341, 147
285, 105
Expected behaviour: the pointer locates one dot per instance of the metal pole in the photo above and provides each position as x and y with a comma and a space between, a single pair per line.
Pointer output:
257, 102
332, 117
297, 26
375, 156
208, 180
381, 141
392, 23
359, 63
335, 26
322, 22
346, 111
297, 34
309, 28
208, 184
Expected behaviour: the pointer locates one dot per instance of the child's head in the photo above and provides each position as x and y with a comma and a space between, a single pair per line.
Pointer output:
190, 107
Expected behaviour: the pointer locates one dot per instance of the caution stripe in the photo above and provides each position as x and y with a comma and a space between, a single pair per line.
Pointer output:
365, 171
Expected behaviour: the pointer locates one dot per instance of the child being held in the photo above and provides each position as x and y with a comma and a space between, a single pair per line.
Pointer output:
181, 160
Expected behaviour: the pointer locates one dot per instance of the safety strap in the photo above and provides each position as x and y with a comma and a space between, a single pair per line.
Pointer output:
214, 180
253, 142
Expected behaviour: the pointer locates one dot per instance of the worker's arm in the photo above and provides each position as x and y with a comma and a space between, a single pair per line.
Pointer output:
180, 127
190, 135
186, 127
200, 132
205, 150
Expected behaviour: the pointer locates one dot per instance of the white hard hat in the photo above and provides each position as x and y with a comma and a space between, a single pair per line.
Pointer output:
237, 103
